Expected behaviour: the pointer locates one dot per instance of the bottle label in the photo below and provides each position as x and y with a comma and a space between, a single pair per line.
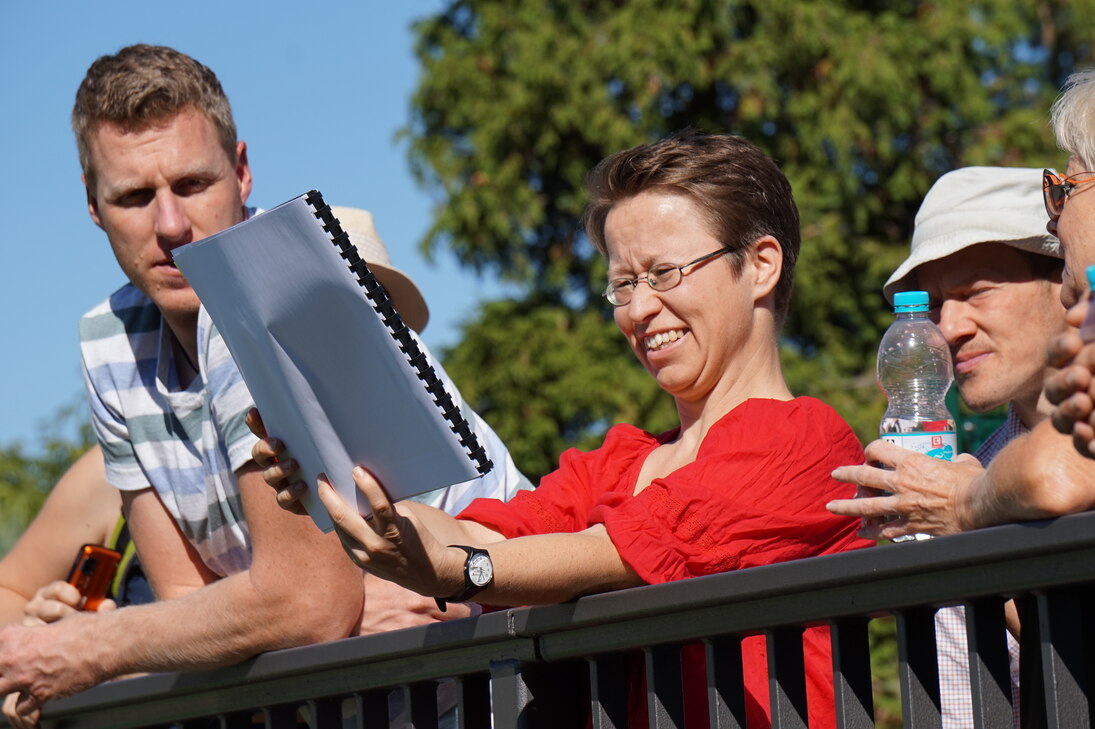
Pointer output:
941, 444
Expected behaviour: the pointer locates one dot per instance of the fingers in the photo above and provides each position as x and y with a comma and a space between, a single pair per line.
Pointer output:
1078, 312
254, 423
357, 537
27, 711
13, 716
1073, 410
266, 451
21, 711
384, 515
51, 603
1063, 384
1083, 438
870, 477
879, 507
1064, 348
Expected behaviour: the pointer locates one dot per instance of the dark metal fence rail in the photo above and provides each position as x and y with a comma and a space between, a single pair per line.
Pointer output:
526, 667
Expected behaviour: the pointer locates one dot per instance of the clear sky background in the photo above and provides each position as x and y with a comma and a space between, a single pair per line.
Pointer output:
318, 91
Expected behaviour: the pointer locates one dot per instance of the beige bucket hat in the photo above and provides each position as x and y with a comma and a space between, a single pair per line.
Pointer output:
975, 205
408, 300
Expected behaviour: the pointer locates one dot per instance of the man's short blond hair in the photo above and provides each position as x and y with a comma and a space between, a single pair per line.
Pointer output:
143, 85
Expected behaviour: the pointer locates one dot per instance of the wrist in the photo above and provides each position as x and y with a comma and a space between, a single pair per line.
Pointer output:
451, 575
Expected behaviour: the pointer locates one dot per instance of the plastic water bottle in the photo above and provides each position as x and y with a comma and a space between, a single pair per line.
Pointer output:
1087, 329
914, 370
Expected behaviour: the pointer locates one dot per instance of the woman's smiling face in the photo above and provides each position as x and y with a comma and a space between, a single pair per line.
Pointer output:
692, 336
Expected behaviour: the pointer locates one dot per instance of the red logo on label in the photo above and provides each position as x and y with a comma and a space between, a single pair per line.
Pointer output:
937, 441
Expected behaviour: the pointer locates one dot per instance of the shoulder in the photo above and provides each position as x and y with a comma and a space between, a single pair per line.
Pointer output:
127, 311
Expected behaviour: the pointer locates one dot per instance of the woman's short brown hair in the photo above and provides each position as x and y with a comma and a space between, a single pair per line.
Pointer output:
741, 191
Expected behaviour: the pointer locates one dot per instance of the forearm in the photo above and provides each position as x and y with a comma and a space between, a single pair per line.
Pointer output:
553, 568
1037, 476
447, 529
215, 626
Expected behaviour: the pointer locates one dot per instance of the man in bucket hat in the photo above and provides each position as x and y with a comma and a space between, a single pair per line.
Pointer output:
993, 274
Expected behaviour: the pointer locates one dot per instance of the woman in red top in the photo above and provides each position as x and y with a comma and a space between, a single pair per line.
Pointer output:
701, 236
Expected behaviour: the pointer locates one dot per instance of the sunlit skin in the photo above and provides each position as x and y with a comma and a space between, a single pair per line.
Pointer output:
1077, 235
726, 351
161, 187
1072, 389
998, 320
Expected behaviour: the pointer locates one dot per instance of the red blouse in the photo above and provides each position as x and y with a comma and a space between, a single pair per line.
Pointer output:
755, 495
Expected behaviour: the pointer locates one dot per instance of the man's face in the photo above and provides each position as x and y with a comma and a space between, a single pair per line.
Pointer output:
1076, 229
998, 320
162, 187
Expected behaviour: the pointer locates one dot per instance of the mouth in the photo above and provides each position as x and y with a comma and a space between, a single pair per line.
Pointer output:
967, 363
661, 340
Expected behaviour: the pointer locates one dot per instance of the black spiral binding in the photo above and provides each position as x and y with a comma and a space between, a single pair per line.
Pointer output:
382, 303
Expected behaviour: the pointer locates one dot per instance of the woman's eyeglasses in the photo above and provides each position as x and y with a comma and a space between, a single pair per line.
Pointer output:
661, 277
1056, 190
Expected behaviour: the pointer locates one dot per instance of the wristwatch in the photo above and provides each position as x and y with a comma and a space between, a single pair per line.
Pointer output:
478, 574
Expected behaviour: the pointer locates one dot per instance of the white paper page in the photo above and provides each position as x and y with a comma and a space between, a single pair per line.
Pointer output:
324, 371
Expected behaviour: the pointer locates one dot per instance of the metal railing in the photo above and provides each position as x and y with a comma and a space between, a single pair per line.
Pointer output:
560, 665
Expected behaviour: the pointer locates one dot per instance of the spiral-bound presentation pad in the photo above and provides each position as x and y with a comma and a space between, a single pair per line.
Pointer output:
337, 375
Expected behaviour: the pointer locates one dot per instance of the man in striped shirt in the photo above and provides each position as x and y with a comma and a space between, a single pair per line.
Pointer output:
234, 574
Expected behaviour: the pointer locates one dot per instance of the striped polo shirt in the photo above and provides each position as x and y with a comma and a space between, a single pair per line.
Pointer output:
185, 443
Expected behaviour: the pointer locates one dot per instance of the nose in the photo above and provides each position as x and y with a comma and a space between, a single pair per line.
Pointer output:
644, 302
172, 222
1051, 226
955, 321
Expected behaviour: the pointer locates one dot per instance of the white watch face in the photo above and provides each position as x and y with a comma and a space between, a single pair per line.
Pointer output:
480, 570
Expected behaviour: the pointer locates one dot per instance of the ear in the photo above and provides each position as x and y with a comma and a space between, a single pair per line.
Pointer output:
767, 265
92, 203
243, 171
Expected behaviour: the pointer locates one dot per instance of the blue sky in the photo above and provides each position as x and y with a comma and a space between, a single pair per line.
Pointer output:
318, 91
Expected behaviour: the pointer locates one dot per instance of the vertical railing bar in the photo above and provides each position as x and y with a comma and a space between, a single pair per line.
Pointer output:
608, 691
473, 702
787, 678
371, 709
509, 694
918, 669
279, 717
1061, 618
1032, 692
725, 683
853, 692
326, 713
990, 672
420, 702
664, 689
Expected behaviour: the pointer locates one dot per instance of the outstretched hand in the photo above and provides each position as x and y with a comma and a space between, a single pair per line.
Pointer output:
280, 474
1072, 387
925, 495
391, 544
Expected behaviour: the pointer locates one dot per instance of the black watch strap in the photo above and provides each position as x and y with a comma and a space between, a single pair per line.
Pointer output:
470, 588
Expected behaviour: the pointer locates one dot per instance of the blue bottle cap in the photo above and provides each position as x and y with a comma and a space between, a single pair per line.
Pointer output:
908, 301
1091, 277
